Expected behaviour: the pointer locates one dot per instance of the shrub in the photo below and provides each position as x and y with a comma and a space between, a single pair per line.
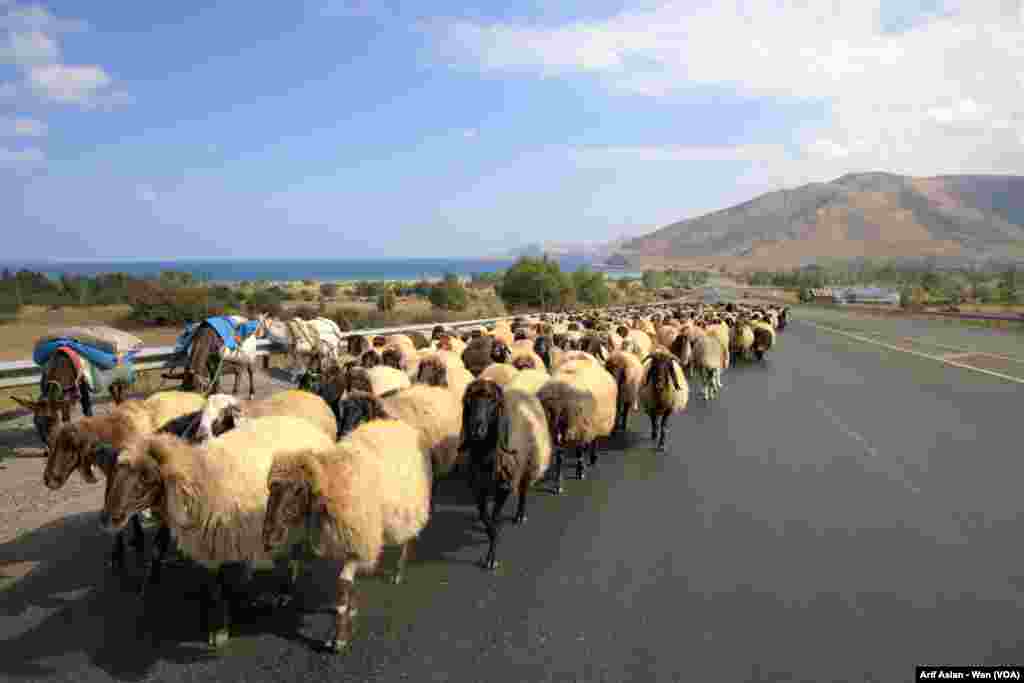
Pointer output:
9, 309
156, 305
329, 290
386, 301
308, 295
449, 294
264, 301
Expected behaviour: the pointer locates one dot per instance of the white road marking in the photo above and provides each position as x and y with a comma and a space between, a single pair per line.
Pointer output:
929, 356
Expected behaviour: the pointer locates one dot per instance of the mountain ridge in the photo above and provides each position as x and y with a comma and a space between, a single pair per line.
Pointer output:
858, 215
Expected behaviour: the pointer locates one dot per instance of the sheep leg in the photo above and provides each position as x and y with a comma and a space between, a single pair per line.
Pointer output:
403, 556
664, 431
593, 453
238, 380
654, 426
345, 611
558, 472
138, 540
494, 527
218, 614
524, 488
116, 561
156, 560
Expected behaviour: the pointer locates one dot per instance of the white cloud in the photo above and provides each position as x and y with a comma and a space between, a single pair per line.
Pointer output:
29, 39
22, 127
68, 84
470, 133
941, 95
617, 154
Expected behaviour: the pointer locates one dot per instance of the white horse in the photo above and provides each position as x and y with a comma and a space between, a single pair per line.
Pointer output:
309, 342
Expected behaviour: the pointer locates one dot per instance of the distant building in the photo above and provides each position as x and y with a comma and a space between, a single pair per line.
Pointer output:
866, 295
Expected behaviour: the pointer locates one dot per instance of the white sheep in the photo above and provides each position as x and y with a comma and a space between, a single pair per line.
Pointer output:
707, 361
629, 374
371, 490
579, 401
223, 412
212, 499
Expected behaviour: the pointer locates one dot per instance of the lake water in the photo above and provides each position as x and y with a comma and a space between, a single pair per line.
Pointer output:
237, 270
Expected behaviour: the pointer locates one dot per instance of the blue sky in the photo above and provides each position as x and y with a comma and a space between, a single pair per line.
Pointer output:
348, 129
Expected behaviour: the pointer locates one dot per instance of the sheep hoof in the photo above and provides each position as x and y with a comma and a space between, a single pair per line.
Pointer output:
335, 645
219, 638
558, 489
396, 579
520, 519
490, 564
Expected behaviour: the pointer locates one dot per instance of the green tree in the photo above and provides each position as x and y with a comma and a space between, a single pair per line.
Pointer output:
535, 282
1008, 288
654, 279
449, 294
386, 301
591, 287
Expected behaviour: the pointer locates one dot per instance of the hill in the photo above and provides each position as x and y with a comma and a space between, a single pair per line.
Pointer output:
866, 215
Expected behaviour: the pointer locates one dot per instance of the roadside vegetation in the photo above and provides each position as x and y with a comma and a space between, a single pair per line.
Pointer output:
922, 284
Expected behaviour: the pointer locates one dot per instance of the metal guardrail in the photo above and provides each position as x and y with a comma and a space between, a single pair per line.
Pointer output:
25, 373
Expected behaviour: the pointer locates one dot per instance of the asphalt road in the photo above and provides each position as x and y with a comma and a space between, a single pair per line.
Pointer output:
841, 513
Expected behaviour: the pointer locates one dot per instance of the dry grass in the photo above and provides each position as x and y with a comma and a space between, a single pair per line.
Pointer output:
19, 337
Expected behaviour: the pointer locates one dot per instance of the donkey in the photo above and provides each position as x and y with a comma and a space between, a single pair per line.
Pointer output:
62, 382
208, 351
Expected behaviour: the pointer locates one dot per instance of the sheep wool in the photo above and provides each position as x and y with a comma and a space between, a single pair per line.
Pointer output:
378, 380
529, 381
628, 373
499, 373
374, 485
215, 498
436, 413
290, 403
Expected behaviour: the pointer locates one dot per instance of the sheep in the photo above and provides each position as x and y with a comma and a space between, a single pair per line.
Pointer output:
742, 341
707, 361
720, 331
542, 346
224, 412
683, 350
506, 435
440, 372
402, 356
212, 499
483, 351
628, 373
528, 380
764, 338
500, 373
503, 334
377, 380
579, 401
449, 342
94, 441
570, 356
527, 359
640, 343
666, 334
664, 391
372, 489
595, 345
434, 411
358, 345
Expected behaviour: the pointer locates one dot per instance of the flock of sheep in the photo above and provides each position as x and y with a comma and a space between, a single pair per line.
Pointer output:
339, 474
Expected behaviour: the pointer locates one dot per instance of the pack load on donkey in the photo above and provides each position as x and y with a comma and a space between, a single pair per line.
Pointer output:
78, 362
210, 348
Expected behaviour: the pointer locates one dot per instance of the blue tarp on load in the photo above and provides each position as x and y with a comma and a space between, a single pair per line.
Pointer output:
224, 328
103, 360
